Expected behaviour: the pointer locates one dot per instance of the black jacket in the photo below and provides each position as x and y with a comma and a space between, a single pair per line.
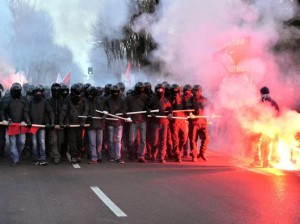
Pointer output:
137, 103
115, 105
38, 112
70, 111
14, 109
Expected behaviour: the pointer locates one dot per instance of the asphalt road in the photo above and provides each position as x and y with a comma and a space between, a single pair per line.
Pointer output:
221, 190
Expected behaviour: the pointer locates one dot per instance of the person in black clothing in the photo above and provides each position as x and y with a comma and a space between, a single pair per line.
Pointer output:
178, 127
38, 111
56, 136
13, 112
95, 131
198, 126
263, 149
137, 101
74, 106
159, 126
115, 103
149, 92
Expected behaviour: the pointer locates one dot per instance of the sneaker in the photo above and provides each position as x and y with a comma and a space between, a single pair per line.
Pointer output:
13, 164
99, 160
142, 160
56, 161
201, 155
162, 161
112, 160
178, 160
78, 160
120, 161
36, 163
43, 163
255, 164
73, 160
92, 162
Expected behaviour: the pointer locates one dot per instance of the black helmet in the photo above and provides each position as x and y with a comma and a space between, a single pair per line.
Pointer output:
187, 87
25, 87
167, 89
100, 90
107, 89
86, 86
92, 92
115, 90
197, 90
55, 90
175, 89
38, 92
264, 90
30, 90
147, 88
139, 88
76, 90
38, 88
159, 90
197, 87
121, 86
64, 90
129, 92
15, 90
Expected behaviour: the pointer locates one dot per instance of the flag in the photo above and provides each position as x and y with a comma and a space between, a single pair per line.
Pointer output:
58, 78
67, 78
16, 129
128, 72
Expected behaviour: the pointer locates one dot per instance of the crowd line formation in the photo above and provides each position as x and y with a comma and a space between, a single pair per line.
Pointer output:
156, 124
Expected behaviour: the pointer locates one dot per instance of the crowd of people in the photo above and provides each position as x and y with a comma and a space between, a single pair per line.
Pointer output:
159, 124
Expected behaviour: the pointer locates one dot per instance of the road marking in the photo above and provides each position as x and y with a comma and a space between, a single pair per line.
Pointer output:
115, 209
76, 165
255, 171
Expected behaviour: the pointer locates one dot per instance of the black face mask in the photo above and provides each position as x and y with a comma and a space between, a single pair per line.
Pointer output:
16, 94
75, 98
55, 94
38, 95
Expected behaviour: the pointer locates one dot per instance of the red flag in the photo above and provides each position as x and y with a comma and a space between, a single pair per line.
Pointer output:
16, 129
128, 71
67, 78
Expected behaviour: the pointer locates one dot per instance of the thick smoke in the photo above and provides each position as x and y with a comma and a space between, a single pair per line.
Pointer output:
73, 21
6, 35
228, 48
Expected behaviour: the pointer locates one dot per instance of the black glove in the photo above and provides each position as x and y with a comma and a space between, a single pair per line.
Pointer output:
89, 117
104, 116
9, 121
148, 112
153, 115
61, 125
82, 124
29, 125
52, 125
47, 125
67, 125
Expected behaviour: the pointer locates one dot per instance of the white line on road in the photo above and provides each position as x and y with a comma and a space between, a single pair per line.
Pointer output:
76, 166
115, 209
